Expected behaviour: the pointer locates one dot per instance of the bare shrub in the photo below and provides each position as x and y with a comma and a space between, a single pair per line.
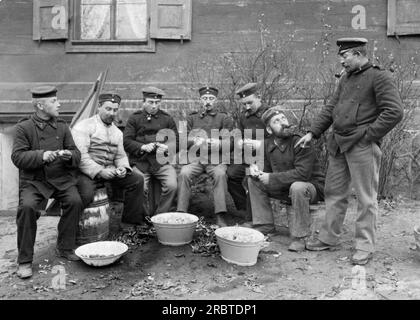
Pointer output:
316, 89
271, 63
284, 77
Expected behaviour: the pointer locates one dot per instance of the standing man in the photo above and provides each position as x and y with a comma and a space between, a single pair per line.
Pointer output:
290, 174
205, 121
47, 158
250, 120
142, 147
104, 160
364, 108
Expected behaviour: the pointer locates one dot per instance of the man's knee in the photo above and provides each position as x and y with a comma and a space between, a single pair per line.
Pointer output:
74, 200
298, 188
86, 195
232, 171
86, 188
132, 183
138, 177
235, 173
219, 173
185, 173
27, 209
303, 191
137, 171
171, 185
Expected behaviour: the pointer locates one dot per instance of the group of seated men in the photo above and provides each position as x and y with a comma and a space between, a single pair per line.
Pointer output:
56, 162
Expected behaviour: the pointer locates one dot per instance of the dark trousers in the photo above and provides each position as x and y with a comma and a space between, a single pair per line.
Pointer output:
132, 186
30, 201
236, 175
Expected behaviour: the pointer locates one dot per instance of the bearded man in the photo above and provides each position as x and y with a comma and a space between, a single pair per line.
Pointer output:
289, 174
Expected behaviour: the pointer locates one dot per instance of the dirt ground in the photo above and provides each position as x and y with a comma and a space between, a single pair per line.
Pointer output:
155, 271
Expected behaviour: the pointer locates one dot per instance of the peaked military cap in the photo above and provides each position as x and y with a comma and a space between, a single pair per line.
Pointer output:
345, 44
208, 90
109, 96
247, 90
152, 92
44, 92
273, 111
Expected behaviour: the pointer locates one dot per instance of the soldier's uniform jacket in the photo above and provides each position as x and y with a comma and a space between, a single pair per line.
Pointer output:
253, 121
287, 164
101, 146
366, 101
34, 136
141, 129
207, 121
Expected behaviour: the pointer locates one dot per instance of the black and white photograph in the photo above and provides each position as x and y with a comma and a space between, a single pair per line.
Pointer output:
209, 156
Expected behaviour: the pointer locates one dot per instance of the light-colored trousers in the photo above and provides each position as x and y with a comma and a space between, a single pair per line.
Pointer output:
300, 195
359, 165
218, 175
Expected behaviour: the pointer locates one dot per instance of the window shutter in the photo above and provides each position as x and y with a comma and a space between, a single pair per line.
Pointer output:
50, 19
171, 19
403, 17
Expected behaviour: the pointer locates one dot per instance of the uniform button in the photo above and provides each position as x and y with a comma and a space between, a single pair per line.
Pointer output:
57, 137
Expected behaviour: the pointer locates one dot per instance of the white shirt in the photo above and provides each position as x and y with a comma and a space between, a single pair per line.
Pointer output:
100, 145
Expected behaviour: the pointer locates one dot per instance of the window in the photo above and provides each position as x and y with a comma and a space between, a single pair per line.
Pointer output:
110, 26
403, 17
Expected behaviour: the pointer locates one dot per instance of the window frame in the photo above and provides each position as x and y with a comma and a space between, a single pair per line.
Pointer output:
74, 45
396, 28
